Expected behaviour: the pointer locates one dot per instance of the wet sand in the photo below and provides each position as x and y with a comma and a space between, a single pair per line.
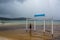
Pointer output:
18, 32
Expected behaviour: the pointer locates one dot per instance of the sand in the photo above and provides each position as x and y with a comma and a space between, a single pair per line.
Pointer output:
18, 32
3, 38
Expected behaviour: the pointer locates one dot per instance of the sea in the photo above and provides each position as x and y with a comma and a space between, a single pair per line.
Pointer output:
56, 22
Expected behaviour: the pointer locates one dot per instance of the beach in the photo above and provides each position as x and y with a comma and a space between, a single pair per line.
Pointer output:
18, 32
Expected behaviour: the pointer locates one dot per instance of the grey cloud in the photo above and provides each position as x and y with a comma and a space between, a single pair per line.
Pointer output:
9, 10
5, 1
3, 11
21, 0
29, 8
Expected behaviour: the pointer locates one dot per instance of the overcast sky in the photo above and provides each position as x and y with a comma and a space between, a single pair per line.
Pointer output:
27, 8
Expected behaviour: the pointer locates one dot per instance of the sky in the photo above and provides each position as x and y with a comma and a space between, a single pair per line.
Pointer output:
28, 8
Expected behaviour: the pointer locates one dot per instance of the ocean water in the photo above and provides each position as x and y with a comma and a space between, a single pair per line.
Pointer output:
57, 22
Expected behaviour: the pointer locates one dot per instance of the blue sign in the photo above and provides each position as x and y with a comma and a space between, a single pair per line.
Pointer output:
37, 15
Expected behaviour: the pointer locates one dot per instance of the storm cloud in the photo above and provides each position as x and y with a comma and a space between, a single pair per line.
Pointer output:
21, 1
27, 8
6, 1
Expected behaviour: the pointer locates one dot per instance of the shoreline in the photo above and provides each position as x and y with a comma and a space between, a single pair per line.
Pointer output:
9, 24
13, 24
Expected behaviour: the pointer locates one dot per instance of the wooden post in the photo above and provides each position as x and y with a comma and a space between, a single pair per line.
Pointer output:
52, 29
44, 30
34, 25
26, 25
44, 26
